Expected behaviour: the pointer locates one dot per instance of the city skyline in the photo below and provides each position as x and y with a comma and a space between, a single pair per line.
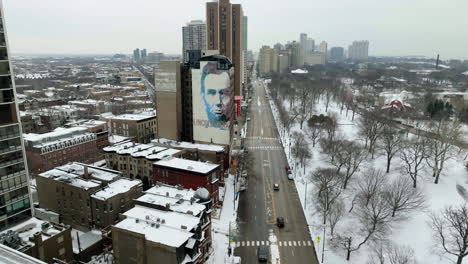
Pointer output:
61, 29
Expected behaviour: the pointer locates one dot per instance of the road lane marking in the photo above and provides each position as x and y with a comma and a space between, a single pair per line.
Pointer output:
280, 243
308, 243
290, 244
294, 243
292, 250
263, 243
248, 243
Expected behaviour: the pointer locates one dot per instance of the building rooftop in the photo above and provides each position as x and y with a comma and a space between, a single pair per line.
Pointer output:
187, 165
114, 188
138, 150
73, 174
188, 145
163, 227
28, 228
11, 256
132, 117
58, 133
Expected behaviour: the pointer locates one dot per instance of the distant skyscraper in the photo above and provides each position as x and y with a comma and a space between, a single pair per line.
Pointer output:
143, 54
224, 25
194, 37
303, 44
359, 50
324, 49
278, 46
310, 45
267, 60
294, 49
136, 54
15, 199
337, 54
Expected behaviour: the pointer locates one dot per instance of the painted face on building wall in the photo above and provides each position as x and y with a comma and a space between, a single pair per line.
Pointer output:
216, 94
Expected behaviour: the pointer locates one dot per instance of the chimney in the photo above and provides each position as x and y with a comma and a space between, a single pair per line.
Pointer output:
85, 174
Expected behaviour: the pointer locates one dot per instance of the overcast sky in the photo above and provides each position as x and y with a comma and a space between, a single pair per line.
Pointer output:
393, 27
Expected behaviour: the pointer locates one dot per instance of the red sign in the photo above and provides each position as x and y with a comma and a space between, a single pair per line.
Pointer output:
238, 97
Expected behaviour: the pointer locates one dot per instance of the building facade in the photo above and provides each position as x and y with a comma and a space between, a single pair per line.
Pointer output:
359, 50
224, 23
213, 100
193, 37
15, 200
189, 174
169, 99
337, 54
267, 60
56, 148
141, 127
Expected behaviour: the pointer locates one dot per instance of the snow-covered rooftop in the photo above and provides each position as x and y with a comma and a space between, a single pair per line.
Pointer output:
138, 150
87, 239
465, 73
172, 229
187, 165
72, 174
299, 71
132, 117
31, 226
188, 145
117, 139
114, 188
57, 133
176, 204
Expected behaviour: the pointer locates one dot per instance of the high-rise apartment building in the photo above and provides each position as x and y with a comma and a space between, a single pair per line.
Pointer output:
324, 49
224, 23
136, 54
193, 37
359, 50
245, 32
303, 43
15, 199
294, 49
310, 46
337, 54
267, 60
143, 54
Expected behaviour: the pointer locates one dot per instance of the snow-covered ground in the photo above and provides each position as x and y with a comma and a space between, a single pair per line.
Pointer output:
220, 226
414, 232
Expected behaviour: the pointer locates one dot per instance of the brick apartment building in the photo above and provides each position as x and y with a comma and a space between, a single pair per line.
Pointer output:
142, 127
189, 174
63, 145
166, 226
68, 191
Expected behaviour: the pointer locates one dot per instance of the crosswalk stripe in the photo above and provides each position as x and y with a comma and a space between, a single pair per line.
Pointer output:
263, 243
294, 243
248, 243
303, 242
280, 243
290, 244
238, 244
258, 243
267, 243
308, 243
242, 243
253, 243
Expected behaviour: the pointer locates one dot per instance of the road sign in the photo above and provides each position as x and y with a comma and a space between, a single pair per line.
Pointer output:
231, 236
318, 239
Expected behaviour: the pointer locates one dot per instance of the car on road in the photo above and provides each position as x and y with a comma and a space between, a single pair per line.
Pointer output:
280, 221
248, 118
262, 253
287, 169
290, 177
276, 187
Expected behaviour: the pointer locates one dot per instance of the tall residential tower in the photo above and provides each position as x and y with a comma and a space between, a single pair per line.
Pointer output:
15, 199
224, 24
194, 37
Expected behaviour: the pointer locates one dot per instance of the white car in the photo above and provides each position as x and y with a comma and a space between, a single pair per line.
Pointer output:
248, 118
290, 176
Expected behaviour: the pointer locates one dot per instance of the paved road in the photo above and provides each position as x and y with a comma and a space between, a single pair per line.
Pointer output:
259, 205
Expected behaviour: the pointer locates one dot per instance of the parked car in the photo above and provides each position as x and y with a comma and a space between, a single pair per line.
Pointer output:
262, 253
287, 169
248, 118
290, 177
276, 187
280, 221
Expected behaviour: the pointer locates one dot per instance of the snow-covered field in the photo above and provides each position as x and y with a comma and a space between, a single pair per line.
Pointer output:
413, 232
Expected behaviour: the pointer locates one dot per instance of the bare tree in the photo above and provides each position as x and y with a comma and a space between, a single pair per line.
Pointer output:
354, 155
451, 230
300, 149
304, 94
384, 252
390, 143
370, 127
335, 214
370, 185
442, 148
413, 153
328, 189
403, 198
314, 132
373, 221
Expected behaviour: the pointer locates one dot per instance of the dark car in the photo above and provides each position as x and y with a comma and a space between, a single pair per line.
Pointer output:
287, 169
276, 187
262, 253
280, 221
